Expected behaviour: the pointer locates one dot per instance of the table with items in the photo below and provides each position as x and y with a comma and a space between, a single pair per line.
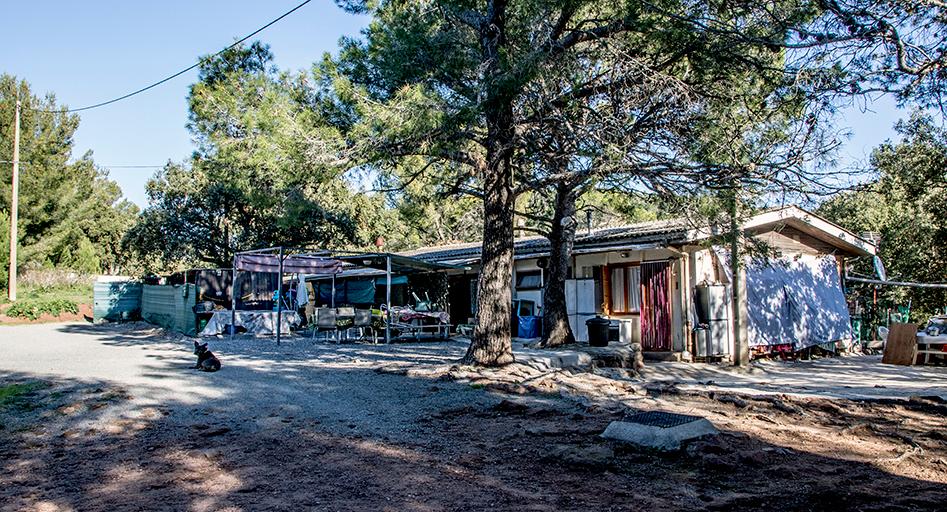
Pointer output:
413, 323
928, 345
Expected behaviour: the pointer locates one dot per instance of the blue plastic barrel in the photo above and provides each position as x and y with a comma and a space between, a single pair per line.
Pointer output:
528, 327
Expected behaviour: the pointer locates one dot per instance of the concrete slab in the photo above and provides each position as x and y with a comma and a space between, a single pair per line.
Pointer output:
545, 359
852, 377
659, 431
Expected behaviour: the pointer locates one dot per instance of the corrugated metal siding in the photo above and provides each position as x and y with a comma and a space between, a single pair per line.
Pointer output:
112, 299
169, 306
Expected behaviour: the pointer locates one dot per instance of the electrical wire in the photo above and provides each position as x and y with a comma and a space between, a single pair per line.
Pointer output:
131, 166
179, 73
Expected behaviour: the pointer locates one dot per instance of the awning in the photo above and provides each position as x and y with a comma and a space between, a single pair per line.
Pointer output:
292, 263
399, 264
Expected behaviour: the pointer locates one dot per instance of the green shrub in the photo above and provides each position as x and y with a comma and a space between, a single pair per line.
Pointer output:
33, 309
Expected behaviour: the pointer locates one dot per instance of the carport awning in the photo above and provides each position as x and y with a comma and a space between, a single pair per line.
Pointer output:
292, 263
399, 264
325, 263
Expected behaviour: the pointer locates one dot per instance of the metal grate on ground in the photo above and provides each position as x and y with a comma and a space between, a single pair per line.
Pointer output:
661, 419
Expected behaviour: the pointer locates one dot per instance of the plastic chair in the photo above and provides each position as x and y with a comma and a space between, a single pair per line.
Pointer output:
327, 320
362, 321
345, 314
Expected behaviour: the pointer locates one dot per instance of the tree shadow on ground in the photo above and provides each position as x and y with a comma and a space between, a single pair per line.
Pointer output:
272, 431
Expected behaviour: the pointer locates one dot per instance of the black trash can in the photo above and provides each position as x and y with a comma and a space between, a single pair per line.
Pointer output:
598, 331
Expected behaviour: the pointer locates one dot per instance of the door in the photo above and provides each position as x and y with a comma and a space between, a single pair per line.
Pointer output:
656, 306
459, 298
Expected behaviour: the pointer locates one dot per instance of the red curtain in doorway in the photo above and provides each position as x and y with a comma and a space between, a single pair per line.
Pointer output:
656, 306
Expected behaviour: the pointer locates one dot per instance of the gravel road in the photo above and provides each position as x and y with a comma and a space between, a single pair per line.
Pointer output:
339, 386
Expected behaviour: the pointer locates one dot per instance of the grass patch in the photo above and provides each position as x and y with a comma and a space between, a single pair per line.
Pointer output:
76, 293
21, 396
32, 309
49, 284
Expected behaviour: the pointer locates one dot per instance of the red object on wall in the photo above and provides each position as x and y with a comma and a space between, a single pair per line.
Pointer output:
656, 306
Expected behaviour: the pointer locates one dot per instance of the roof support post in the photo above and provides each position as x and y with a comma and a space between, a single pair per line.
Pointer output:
388, 298
233, 300
279, 298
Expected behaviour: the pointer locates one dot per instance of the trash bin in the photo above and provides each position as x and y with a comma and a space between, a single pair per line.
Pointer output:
598, 331
528, 327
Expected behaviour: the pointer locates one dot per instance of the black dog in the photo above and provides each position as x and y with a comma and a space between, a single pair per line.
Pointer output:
206, 360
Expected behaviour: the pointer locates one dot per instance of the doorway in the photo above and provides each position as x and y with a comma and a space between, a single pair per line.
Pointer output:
656, 306
460, 295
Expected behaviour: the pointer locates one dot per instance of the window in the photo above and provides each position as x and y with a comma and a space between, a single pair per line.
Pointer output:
624, 293
529, 280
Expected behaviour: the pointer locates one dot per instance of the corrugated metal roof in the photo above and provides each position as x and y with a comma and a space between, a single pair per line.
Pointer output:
654, 233
667, 231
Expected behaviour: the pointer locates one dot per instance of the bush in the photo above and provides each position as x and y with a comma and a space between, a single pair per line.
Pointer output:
33, 309
40, 278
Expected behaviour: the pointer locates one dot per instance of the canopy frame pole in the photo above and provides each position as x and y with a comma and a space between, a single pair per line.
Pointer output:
279, 298
233, 300
388, 299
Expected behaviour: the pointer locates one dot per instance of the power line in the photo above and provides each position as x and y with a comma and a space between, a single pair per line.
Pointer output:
179, 73
131, 166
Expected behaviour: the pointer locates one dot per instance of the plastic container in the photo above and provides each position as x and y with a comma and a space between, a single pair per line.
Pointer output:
598, 331
614, 331
528, 327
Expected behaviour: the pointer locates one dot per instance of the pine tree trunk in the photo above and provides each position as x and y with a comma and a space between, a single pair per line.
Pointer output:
556, 329
491, 344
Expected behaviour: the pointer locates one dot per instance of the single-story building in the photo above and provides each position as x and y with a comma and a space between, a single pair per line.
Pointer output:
668, 288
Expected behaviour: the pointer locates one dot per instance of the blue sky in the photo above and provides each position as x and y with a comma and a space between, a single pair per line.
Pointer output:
94, 50
86, 52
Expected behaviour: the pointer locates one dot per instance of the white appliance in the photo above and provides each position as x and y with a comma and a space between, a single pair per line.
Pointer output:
712, 336
580, 305
629, 330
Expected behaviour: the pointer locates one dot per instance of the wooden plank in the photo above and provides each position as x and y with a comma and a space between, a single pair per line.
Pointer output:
901, 347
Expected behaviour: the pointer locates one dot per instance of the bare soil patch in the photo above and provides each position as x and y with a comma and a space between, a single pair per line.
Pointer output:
67, 451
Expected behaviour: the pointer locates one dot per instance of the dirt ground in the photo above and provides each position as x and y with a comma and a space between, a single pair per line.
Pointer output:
112, 419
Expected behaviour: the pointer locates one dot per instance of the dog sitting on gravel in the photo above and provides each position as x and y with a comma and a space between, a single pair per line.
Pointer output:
206, 360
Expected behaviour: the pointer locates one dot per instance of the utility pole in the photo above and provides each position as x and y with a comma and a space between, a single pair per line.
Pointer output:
14, 203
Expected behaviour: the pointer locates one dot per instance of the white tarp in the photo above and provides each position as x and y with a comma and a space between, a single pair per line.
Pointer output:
794, 301
255, 322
